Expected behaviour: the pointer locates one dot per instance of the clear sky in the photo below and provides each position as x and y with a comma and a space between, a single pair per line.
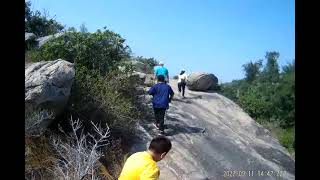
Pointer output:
216, 36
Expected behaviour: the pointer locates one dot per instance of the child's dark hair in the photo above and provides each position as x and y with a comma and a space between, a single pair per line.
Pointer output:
161, 78
160, 145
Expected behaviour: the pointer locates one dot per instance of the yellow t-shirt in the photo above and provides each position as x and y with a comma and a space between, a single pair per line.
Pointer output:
140, 166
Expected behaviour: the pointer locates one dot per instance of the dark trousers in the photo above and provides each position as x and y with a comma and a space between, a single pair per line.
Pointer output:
159, 117
182, 86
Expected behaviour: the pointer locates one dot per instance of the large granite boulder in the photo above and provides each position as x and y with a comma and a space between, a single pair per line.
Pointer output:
30, 40
48, 85
200, 81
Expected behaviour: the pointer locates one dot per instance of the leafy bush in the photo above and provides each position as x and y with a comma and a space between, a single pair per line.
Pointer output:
286, 138
149, 63
101, 90
268, 96
100, 51
107, 98
255, 104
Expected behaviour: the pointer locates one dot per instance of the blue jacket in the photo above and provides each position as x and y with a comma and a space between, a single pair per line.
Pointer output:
161, 93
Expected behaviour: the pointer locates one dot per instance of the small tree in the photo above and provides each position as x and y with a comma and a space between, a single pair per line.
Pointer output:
148, 62
27, 11
83, 28
252, 70
271, 70
72, 29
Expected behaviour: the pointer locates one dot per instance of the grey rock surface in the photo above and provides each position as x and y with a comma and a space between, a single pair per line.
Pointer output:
48, 85
212, 135
43, 40
140, 76
29, 36
149, 80
139, 66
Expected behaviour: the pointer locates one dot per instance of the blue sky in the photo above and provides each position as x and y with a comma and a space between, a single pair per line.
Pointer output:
215, 36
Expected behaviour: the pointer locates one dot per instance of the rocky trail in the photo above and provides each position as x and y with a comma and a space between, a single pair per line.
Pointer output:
213, 139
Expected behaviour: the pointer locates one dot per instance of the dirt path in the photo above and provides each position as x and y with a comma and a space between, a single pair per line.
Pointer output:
211, 135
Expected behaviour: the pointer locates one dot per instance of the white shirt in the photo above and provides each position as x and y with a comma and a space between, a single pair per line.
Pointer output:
183, 76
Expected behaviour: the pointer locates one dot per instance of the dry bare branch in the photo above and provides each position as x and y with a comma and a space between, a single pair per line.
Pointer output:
80, 154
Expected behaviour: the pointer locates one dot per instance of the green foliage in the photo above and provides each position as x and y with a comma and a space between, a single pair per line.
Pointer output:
271, 96
234, 89
39, 24
149, 63
105, 98
100, 51
72, 29
268, 96
271, 69
83, 28
252, 70
287, 139
255, 103
101, 91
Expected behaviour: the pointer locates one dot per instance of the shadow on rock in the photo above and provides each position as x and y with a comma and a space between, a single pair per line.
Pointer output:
277, 157
173, 129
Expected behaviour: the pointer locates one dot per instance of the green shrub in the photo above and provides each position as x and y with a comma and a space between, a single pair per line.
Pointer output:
101, 51
149, 63
100, 91
254, 103
105, 98
287, 139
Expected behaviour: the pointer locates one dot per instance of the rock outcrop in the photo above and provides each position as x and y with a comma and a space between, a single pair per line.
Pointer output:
139, 66
140, 76
42, 40
48, 85
149, 80
200, 81
212, 137
29, 36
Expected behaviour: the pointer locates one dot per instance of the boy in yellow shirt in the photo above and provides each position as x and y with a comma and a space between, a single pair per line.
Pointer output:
142, 165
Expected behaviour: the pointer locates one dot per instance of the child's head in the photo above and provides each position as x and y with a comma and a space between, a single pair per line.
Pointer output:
160, 78
159, 147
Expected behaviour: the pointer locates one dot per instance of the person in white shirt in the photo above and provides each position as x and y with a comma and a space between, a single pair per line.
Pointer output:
182, 81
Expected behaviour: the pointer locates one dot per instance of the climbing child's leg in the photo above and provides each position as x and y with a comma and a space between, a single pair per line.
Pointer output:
162, 112
183, 88
157, 116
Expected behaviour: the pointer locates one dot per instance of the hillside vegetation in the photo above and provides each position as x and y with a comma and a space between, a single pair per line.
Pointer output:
267, 94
